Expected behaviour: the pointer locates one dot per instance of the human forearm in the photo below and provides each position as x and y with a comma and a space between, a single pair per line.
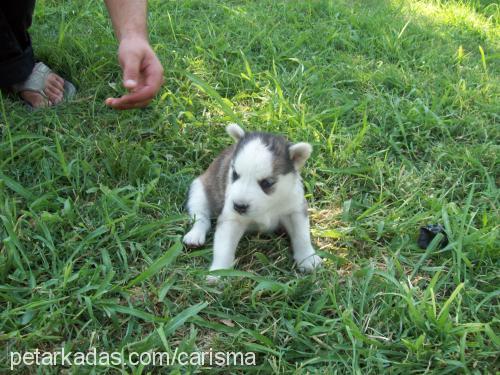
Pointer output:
128, 18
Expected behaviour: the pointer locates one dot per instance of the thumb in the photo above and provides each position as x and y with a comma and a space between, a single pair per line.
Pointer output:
131, 66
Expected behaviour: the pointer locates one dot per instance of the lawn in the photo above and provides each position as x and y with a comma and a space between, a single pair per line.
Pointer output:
400, 99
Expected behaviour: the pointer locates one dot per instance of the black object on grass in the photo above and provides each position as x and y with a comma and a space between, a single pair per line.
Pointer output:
428, 233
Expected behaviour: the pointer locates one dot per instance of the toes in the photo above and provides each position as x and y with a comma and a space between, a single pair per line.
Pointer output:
194, 239
55, 80
54, 88
309, 264
212, 280
55, 96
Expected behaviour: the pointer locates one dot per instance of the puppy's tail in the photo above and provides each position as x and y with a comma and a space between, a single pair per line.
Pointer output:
235, 131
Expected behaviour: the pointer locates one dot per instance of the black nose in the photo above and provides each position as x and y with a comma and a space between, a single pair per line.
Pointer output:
240, 208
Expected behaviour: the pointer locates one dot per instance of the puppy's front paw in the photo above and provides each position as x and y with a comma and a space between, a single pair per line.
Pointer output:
309, 263
194, 238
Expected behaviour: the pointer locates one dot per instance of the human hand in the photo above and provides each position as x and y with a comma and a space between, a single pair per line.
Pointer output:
142, 74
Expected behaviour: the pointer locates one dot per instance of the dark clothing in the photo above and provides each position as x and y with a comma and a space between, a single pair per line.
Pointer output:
16, 53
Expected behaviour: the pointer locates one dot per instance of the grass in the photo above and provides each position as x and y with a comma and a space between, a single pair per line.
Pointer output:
399, 99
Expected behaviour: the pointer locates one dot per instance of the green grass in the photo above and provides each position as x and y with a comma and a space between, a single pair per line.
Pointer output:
401, 102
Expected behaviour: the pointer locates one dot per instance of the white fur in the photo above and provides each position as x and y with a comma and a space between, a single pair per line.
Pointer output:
253, 163
299, 153
199, 210
235, 131
285, 206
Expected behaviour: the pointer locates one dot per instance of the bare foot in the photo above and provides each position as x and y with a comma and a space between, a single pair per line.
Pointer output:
54, 90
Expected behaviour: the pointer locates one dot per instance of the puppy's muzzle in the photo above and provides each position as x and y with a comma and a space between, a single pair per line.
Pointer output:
240, 208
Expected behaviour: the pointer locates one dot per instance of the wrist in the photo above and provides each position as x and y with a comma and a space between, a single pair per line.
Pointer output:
135, 36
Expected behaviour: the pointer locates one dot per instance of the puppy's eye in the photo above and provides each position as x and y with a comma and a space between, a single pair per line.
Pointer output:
266, 184
235, 176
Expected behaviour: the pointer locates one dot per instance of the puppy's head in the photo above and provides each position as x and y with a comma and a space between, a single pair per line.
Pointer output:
264, 169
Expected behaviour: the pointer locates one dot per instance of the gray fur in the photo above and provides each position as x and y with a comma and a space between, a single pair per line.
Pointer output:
278, 145
214, 180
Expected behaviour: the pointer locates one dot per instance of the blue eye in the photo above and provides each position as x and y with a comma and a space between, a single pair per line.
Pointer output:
266, 184
235, 176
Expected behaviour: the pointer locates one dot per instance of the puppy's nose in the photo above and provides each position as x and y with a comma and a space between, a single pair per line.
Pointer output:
240, 208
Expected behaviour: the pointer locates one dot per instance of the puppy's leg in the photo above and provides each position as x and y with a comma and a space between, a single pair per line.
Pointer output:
199, 210
297, 226
227, 235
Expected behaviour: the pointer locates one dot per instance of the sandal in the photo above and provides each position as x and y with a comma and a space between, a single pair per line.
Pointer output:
36, 83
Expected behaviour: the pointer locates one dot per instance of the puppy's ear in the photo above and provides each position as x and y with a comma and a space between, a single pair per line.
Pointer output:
235, 131
299, 153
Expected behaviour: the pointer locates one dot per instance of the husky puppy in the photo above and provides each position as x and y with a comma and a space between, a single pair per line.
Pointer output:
252, 185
